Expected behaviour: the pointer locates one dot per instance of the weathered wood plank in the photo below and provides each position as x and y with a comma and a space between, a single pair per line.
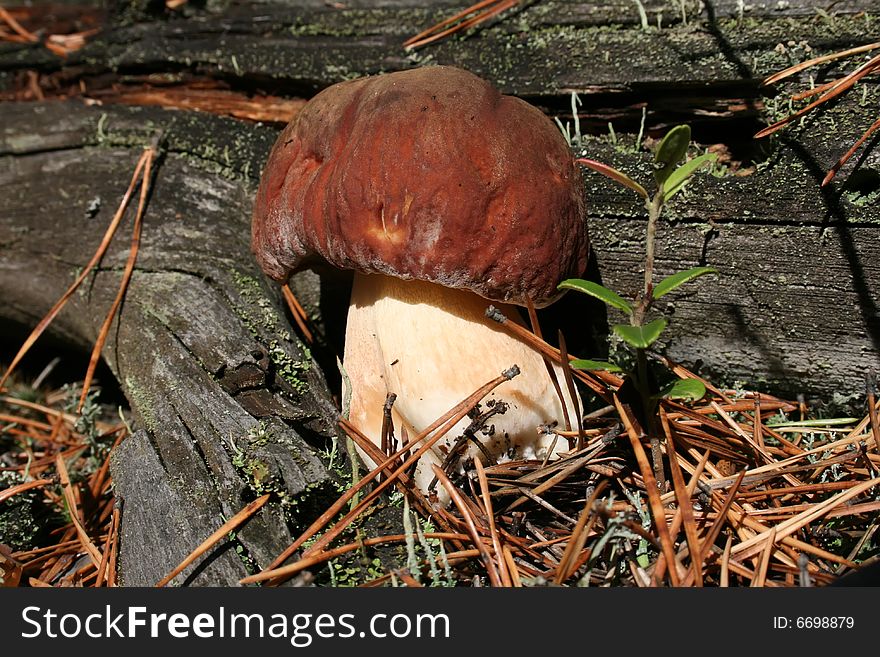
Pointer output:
544, 48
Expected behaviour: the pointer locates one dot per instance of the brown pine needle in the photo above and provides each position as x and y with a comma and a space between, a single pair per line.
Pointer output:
38, 583
488, 562
440, 426
73, 510
114, 549
493, 530
598, 381
106, 554
21, 488
313, 560
548, 363
872, 413
407, 579
147, 159
403, 480
840, 86
102, 248
17, 28
572, 392
852, 151
750, 441
569, 563
511, 567
482, 11
752, 546
298, 312
454, 416
828, 91
712, 536
99, 479
651, 489
725, 564
228, 526
566, 467
761, 574
683, 499
797, 68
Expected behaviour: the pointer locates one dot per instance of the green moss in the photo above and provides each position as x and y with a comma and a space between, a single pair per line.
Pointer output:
258, 313
291, 370
357, 22
220, 145
261, 318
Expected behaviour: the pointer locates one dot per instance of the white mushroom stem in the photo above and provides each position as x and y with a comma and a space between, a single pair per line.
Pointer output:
433, 346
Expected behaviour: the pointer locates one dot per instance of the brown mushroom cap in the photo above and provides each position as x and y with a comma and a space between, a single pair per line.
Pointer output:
426, 174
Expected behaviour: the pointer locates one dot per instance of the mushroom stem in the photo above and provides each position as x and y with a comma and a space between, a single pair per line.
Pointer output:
432, 346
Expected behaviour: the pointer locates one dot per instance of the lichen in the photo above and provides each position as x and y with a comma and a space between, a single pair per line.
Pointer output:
19, 527
143, 403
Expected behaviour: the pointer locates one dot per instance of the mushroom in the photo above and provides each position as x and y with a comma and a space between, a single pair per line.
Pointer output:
443, 196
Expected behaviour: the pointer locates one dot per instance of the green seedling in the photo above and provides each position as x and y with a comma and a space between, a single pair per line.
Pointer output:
640, 332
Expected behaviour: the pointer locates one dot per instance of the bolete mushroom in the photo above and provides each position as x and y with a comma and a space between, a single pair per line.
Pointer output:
443, 196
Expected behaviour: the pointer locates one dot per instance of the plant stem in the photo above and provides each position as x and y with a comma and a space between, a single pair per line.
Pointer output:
643, 303
646, 297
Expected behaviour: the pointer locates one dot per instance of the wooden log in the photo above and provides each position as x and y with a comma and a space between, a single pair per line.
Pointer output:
228, 402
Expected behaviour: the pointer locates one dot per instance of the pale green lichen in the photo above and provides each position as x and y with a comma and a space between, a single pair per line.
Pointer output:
19, 527
143, 402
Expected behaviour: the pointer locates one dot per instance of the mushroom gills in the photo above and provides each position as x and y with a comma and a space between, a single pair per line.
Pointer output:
433, 346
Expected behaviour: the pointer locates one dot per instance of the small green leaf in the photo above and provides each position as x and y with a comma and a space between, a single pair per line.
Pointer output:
640, 337
682, 174
685, 389
671, 151
670, 283
615, 175
596, 290
586, 364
